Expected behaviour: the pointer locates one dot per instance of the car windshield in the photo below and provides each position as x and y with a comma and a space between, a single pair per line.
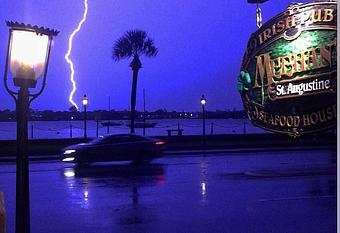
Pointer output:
118, 139
97, 140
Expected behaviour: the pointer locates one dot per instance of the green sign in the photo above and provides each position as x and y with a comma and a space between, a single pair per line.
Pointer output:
288, 74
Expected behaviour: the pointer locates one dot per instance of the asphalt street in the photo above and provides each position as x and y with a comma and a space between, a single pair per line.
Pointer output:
273, 191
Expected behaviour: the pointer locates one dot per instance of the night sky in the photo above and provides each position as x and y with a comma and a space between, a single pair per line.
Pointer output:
201, 44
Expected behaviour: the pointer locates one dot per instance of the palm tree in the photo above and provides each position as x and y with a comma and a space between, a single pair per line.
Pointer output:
134, 43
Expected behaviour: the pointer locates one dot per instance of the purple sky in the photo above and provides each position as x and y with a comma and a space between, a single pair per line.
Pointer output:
201, 44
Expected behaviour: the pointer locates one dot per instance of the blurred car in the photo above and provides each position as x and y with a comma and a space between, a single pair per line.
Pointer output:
119, 147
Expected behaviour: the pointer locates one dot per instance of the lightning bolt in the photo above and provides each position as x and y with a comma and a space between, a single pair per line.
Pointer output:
67, 55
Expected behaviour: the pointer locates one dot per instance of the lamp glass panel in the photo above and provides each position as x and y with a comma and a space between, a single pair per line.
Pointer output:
28, 54
85, 101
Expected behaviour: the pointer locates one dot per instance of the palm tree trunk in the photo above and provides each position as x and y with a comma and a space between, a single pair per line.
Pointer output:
133, 100
135, 66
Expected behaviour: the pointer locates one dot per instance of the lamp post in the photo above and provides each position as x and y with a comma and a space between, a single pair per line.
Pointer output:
85, 102
27, 56
203, 102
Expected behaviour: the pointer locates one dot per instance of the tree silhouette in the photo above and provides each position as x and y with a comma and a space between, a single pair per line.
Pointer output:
73, 109
134, 43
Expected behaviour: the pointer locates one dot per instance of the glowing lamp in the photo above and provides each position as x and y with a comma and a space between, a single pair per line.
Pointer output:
28, 53
203, 100
27, 57
85, 100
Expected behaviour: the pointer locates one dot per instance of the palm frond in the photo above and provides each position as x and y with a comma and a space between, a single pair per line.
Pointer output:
122, 49
132, 43
149, 48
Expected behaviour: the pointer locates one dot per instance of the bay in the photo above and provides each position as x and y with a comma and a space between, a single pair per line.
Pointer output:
75, 129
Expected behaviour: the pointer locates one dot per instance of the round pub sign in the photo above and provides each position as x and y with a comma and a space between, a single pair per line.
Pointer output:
288, 74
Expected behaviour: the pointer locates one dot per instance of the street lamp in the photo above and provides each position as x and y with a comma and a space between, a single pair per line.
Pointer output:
28, 54
203, 102
85, 102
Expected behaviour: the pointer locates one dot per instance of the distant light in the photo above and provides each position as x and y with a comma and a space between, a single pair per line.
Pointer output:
67, 152
203, 188
70, 159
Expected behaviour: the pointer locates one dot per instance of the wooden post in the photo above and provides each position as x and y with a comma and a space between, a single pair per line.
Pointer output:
97, 132
31, 131
71, 131
244, 126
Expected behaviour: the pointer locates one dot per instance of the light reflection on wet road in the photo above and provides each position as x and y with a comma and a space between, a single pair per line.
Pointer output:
224, 193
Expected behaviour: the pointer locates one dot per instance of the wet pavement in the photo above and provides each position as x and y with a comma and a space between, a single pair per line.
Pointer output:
277, 192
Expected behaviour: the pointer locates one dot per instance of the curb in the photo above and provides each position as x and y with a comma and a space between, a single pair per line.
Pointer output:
173, 153
242, 150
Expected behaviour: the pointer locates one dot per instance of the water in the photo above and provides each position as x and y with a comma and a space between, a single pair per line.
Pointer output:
68, 129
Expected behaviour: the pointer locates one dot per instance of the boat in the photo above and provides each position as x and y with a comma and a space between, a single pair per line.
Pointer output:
110, 123
144, 124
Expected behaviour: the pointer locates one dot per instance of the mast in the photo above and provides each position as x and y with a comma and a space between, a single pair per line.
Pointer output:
144, 104
144, 111
108, 126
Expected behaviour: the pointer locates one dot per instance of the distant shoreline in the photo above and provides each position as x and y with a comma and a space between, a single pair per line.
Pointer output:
102, 115
122, 119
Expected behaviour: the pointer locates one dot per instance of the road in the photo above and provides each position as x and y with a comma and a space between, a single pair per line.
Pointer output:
270, 191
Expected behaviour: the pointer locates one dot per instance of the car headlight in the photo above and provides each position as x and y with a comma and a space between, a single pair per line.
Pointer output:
69, 159
68, 152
